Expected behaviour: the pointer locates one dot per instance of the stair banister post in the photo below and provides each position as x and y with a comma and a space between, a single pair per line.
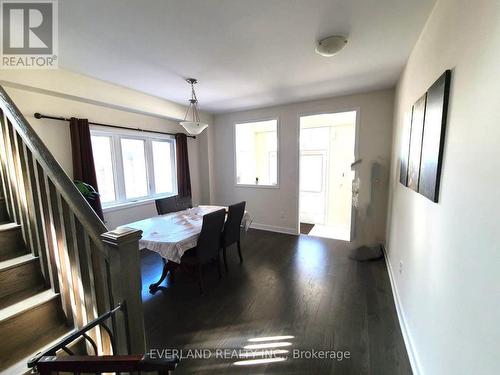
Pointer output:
122, 246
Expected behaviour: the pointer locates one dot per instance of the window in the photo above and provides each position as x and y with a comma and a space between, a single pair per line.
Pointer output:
257, 153
132, 167
101, 147
163, 155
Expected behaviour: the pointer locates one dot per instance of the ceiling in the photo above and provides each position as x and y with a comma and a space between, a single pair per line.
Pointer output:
245, 53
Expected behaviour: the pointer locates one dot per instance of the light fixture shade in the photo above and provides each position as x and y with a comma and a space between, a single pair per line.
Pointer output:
192, 122
331, 46
194, 127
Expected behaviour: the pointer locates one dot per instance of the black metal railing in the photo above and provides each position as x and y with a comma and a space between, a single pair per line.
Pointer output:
82, 332
47, 361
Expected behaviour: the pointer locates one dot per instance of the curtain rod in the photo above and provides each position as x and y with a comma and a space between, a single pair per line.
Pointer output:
40, 116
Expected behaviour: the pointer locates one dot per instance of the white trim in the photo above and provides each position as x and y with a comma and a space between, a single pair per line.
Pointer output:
257, 186
272, 228
410, 347
126, 205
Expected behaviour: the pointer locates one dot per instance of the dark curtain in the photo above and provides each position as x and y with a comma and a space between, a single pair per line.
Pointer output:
183, 178
83, 159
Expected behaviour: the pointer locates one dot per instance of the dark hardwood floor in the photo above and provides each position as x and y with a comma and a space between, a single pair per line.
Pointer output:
301, 286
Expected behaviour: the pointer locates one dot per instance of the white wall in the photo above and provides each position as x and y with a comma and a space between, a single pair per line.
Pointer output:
277, 209
63, 93
449, 289
83, 88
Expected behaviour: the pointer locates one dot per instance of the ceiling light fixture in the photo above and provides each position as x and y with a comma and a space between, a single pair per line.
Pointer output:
193, 125
330, 46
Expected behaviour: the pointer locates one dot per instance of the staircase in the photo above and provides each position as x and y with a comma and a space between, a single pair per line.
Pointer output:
24, 298
60, 267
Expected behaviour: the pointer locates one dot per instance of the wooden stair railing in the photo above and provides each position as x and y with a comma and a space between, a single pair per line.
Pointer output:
100, 364
93, 269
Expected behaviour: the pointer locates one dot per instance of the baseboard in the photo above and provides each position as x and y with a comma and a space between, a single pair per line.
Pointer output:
410, 348
272, 228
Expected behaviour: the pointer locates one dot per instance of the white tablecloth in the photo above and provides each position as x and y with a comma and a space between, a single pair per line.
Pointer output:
172, 234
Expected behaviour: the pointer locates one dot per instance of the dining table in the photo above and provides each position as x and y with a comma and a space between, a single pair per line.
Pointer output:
171, 235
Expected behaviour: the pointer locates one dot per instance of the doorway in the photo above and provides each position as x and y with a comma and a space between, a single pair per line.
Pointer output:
327, 144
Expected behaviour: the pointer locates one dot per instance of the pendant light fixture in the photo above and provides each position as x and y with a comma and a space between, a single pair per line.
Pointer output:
192, 122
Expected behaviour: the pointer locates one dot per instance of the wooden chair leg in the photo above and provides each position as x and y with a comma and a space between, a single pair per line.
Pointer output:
200, 279
225, 258
239, 252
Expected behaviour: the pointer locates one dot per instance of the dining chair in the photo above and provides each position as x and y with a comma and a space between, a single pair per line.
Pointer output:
166, 205
183, 203
172, 204
208, 247
232, 230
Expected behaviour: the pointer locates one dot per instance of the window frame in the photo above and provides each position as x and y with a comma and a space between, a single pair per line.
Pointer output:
235, 163
118, 169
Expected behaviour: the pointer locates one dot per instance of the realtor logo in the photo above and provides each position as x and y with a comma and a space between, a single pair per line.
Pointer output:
29, 34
